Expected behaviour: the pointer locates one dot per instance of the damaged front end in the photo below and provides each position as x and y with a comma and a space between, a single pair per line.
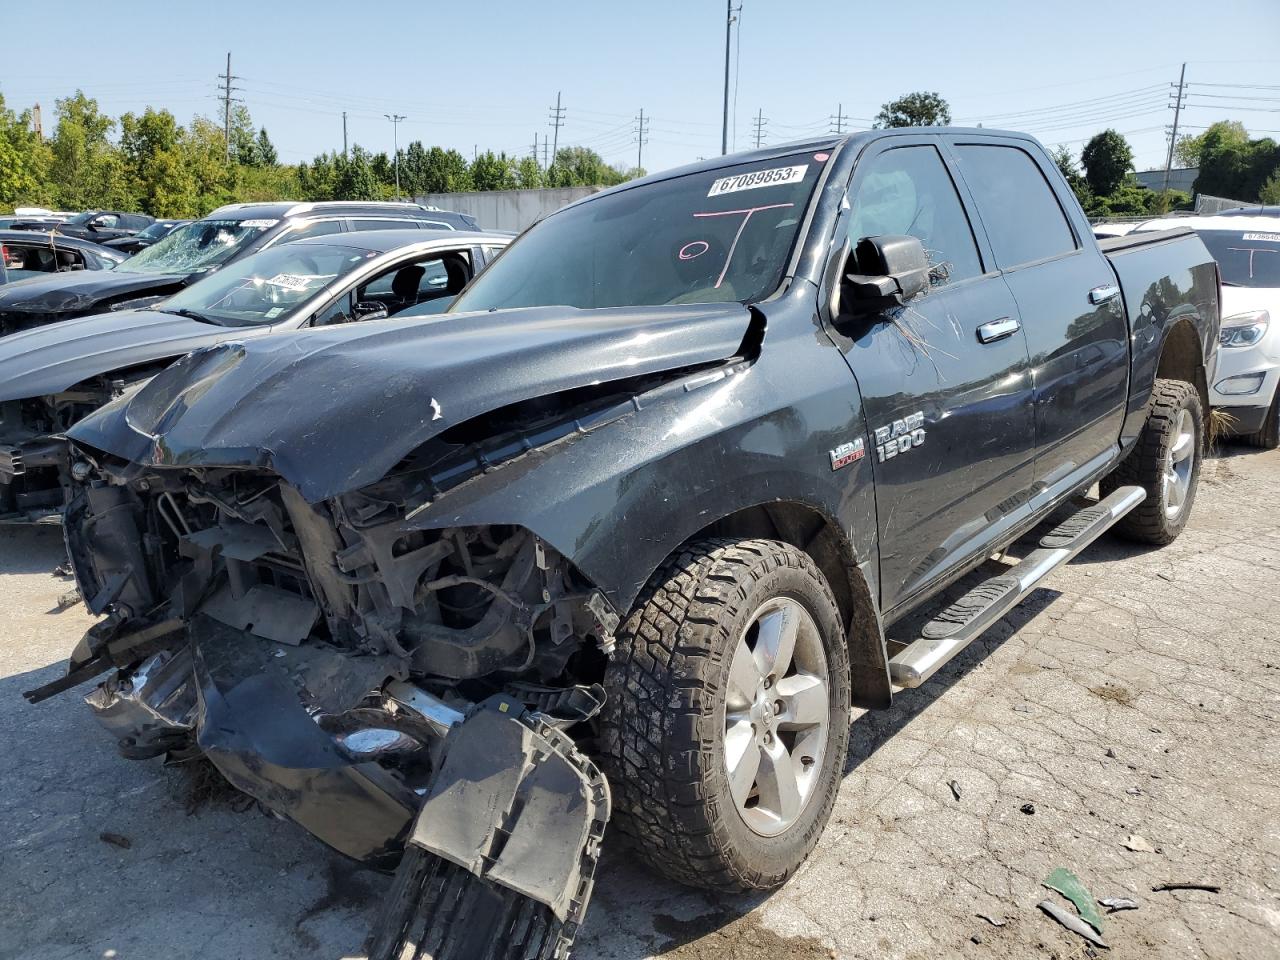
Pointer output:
339, 664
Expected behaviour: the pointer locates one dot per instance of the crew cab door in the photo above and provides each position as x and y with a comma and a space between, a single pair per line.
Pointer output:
1068, 301
944, 381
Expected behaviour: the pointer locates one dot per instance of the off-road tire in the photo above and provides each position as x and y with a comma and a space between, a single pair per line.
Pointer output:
1268, 438
1144, 466
663, 721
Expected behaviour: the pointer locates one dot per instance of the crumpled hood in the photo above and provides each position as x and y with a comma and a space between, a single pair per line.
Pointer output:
80, 290
49, 359
334, 409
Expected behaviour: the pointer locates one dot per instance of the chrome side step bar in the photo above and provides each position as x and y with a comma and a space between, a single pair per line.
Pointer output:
959, 624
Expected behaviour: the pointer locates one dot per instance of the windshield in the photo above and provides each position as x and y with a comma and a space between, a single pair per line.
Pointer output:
80, 218
710, 237
203, 245
155, 230
1246, 258
267, 287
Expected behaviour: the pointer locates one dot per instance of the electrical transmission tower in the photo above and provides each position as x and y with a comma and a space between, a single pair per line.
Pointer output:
1177, 104
838, 121
227, 89
760, 122
642, 137
557, 121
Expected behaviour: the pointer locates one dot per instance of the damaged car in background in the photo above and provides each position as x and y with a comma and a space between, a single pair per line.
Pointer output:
53, 376
620, 535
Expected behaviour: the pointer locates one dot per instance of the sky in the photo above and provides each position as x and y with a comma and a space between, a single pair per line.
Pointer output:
485, 75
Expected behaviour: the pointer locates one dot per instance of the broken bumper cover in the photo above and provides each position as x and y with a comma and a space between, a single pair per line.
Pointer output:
518, 808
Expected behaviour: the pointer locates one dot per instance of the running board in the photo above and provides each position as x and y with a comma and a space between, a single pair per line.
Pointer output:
959, 624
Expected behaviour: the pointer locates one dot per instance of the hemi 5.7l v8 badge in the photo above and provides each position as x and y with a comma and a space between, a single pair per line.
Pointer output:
847, 453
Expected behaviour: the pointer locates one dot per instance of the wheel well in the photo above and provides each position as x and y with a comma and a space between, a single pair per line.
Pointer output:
818, 536
1182, 358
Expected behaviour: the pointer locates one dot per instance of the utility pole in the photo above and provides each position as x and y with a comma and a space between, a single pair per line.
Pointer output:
760, 123
546, 144
557, 120
227, 90
344, 134
728, 27
837, 122
395, 119
535, 146
642, 135
1173, 136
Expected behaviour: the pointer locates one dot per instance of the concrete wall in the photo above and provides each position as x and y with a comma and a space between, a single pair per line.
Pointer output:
508, 209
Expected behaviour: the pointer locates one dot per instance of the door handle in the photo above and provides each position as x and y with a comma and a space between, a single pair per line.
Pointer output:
998, 329
1103, 293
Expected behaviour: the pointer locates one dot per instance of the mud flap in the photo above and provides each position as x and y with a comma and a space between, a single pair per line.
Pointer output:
503, 853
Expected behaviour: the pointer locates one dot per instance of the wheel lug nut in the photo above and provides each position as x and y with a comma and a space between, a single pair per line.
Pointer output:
768, 738
779, 707
768, 683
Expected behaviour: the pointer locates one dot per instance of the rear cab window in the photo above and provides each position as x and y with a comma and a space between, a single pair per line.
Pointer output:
1024, 220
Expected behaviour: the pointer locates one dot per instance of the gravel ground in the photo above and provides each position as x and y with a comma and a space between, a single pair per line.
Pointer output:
1135, 696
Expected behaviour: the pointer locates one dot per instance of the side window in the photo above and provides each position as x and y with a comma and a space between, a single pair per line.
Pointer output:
373, 223
491, 253
908, 190
337, 312
107, 220
1023, 218
316, 228
440, 275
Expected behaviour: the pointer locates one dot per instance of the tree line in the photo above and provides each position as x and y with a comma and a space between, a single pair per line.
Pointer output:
151, 163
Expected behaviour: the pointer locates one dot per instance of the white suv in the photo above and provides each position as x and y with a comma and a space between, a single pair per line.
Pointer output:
1244, 386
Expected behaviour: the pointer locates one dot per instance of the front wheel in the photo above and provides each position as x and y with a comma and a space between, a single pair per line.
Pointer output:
727, 715
1165, 462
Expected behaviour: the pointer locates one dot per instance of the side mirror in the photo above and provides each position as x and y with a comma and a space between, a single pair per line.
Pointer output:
369, 310
884, 272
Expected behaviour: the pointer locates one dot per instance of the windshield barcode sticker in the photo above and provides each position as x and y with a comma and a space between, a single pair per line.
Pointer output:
289, 281
1268, 237
758, 178
258, 223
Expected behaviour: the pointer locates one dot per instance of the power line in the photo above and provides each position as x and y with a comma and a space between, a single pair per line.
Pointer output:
1173, 136
760, 123
642, 136
227, 90
557, 120
837, 122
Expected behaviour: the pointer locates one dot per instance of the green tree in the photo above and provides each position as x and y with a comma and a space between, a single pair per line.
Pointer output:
318, 180
1270, 192
355, 179
529, 174
445, 171
267, 155
1234, 167
86, 167
920, 109
244, 138
582, 167
1107, 160
1188, 149
24, 161
492, 171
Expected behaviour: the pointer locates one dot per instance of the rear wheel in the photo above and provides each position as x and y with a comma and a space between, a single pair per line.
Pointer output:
727, 716
1268, 438
1165, 462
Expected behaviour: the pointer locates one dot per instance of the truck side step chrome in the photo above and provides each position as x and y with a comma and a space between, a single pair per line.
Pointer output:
963, 621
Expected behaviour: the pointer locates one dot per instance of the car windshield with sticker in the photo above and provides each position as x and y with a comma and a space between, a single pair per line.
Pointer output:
267, 287
714, 236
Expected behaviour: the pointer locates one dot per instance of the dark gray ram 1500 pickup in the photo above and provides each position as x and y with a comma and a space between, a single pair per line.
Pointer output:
622, 533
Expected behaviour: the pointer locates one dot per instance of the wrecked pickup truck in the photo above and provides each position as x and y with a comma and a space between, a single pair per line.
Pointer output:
622, 537
54, 375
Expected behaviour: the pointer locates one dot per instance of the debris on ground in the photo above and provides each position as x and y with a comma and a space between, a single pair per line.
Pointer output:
1111, 752
1072, 923
1028, 808
955, 789
1070, 886
116, 840
63, 570
1207, 887
1116, 904
991, 920
1138, 845
66, 601
1133, 791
